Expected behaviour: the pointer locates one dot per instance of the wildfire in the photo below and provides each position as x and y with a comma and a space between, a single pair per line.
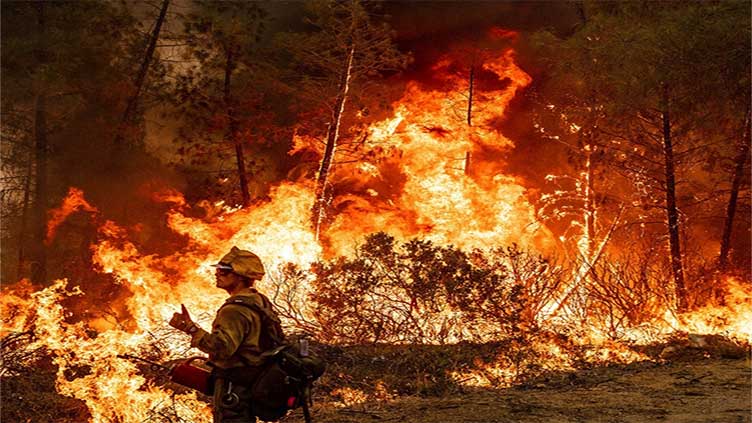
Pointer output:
422, 183
72, 203
733, 318
112, 388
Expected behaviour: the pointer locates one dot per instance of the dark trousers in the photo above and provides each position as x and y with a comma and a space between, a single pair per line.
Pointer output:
232, 403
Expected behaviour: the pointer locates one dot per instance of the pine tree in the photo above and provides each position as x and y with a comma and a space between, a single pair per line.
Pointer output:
345, 45
220, 97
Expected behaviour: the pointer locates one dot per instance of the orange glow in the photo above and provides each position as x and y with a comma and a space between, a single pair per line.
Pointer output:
733, 319
426, 142
72, 203
501, 33
415, 184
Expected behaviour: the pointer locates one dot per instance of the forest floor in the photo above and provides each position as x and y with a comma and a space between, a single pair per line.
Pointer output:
712, 390
692, 385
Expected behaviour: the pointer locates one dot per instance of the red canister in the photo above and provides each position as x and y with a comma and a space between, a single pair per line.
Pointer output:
192, 375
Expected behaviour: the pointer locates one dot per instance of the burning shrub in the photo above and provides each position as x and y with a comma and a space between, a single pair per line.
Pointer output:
290, 287
526, 283
626, 293
420, 292
17, 356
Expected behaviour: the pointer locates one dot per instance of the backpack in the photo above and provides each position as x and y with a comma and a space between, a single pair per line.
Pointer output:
284, 381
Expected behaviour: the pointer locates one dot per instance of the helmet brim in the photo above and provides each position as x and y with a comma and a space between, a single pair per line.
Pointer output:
222, 266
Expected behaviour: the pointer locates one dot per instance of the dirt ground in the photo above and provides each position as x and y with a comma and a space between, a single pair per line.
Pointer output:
710, 390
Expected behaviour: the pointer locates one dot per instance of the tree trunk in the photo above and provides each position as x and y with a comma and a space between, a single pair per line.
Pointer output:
586, 243
22, 235
231, 135
39, 260
671, 211
130, 108
470, 96
589, 202
740, 160
331, 141
470, 91
39, 264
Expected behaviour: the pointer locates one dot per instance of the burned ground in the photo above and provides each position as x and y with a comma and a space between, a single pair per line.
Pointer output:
698, 390
411, 383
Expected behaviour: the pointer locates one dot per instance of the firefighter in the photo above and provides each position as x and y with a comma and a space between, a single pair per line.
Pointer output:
235, 342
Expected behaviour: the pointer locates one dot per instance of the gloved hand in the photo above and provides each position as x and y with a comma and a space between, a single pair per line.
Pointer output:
182, 321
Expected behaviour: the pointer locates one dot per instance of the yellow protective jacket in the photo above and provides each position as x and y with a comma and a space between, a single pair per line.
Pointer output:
234, 339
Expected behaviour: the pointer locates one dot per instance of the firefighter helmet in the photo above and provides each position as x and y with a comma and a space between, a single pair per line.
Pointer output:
242, 262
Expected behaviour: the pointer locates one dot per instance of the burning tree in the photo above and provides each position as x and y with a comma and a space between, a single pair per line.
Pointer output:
345, 46
657, 105
740, 165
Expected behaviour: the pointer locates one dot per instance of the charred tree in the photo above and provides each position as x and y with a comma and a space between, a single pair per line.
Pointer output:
343, 47
742, 149
672, 213
129, 114
232, 132
39, 261
22, 235
471, 87
331, 141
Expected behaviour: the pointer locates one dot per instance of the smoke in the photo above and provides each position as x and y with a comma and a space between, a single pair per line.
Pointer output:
428, 28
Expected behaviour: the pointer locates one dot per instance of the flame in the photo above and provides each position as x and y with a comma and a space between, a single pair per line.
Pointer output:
349, 396
72, 203
417, 183
112, 388
15, 304
424, 148
733, 318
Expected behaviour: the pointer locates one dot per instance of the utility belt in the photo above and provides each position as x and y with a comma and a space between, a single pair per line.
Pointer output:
243, 376
281, 384
236, 384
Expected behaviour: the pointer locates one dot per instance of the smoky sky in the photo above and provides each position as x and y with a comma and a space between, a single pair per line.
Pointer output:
427, 27
446, 20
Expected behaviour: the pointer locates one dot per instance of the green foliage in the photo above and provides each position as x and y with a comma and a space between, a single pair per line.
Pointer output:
221, 39
623, 54
227, 93
607, 78
74, 55
217, 28
316, 57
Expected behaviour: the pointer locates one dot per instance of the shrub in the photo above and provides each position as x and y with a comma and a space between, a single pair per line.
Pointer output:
420, 292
